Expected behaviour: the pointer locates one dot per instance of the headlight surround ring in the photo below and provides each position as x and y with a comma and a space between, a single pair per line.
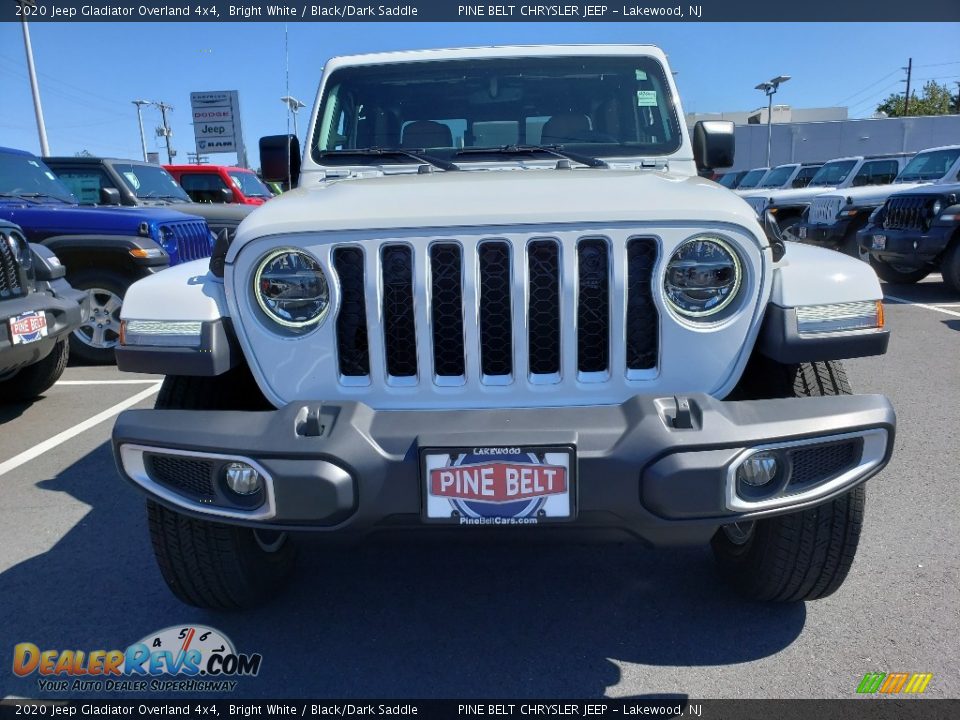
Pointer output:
291, 288
691, 297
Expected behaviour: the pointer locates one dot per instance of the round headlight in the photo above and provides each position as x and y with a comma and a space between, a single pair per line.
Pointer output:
703, 277
168, 239
937, 207
291, 288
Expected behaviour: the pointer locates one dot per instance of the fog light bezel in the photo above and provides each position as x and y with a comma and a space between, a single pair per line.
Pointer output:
257, 479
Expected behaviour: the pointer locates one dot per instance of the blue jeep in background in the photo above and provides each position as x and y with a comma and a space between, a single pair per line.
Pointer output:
104, 249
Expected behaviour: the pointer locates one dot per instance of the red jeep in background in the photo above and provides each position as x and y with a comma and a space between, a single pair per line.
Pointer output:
220, 184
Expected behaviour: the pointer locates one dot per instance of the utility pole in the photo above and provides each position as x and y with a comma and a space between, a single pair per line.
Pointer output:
143, 139
34, 88
906, 101
958, 97
165, 132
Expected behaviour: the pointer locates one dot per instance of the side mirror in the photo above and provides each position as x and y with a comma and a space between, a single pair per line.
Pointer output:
713, 144
109, 196
280, 159
226, 195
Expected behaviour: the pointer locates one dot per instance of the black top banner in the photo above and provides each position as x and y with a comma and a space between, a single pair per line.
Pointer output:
632, 11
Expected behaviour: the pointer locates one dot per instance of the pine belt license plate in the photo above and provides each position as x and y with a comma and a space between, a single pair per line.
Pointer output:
28, 327
498, 486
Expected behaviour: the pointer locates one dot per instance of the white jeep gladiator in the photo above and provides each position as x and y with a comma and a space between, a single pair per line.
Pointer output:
502, 300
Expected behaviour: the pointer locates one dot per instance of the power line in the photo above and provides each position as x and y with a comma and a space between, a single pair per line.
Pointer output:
891, 74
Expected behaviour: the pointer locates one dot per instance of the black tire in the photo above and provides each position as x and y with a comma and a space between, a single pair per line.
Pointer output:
851, 246
950, 266
36, 379
804, 555
211, 564
889, 273
83, 341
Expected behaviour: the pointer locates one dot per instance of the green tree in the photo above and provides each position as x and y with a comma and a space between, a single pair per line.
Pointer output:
936, 100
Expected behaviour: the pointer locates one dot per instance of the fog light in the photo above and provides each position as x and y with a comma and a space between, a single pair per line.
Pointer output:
242, 479
758, 470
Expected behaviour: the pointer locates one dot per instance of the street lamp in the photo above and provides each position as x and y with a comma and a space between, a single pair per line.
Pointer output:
294, 105
143, 140
770, 88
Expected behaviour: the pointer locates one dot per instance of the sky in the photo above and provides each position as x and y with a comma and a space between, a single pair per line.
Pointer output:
90, 72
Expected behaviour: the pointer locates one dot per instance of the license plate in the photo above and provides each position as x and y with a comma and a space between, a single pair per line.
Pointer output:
504, 486
802, 232
28, 327
879, 242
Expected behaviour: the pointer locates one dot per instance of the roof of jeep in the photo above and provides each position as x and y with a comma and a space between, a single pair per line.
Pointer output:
492, 51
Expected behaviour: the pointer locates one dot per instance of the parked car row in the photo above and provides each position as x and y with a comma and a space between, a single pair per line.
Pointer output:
111, 222
858, 204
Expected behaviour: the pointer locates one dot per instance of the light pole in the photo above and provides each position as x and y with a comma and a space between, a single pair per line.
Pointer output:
143, 139
294, 105
34, 88
770, 88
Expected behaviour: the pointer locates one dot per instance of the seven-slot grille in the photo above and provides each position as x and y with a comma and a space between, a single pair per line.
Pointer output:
10, 285
476, 327
193, 239
911, 212
824, 210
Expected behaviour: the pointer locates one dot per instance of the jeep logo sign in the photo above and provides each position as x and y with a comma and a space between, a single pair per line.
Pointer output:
216, 121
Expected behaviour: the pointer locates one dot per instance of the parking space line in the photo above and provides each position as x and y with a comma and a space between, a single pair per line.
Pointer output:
922, 305
60, 438
107, 382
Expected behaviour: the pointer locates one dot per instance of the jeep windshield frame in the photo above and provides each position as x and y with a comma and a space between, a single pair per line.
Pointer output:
593, 106
150, 182
833, 173
931, 165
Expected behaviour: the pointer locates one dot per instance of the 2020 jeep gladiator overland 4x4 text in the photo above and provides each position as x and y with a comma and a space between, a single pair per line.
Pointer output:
501, 296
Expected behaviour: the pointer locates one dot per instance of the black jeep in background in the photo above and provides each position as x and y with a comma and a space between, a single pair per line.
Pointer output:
38, 311
134, 183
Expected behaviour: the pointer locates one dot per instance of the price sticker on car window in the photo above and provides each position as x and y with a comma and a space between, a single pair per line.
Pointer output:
646, 98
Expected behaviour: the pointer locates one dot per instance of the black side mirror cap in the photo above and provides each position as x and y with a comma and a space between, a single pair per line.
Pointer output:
713, 144
280, 159
109, 196
46, 265
772, 230
227, 195
218, 257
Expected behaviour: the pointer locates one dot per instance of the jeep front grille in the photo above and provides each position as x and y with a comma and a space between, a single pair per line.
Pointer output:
507, 322
823, 210
193, 239
10, 285
910, 212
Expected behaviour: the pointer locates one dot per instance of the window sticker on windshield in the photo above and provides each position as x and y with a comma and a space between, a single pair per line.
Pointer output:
132, 179
49, 174
641, 75
646, 98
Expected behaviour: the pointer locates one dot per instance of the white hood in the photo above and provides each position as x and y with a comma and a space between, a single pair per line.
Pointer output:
507, 198
874, 194
791, 195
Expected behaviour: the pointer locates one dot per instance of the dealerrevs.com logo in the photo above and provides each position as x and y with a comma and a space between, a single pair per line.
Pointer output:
191, 658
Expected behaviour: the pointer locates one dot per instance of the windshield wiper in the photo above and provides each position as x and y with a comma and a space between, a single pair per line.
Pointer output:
417, 155
35, 195
555, 150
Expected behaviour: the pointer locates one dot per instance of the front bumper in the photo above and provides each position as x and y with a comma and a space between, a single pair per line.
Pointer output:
908, 248
656, 467
828, 235
65, 310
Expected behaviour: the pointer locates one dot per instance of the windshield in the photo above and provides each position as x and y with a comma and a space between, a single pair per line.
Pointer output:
833, 173
27, 176
598, 106
151, 181
929, 166
730, 179
752, 179
778, 176
249, 184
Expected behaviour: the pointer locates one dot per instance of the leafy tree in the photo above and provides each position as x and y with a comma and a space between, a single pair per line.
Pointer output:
936, 100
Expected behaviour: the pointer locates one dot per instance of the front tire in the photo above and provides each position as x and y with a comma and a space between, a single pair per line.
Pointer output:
896, 274
804, 555
205, 563
950, 266
36, 379
94, 342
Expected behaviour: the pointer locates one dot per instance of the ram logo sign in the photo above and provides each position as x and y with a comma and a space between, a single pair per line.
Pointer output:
893, 683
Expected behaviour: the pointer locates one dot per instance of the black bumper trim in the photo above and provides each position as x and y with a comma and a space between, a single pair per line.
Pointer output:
65, 309
379, 450
900, 248
780, 340
218, 353
832, 234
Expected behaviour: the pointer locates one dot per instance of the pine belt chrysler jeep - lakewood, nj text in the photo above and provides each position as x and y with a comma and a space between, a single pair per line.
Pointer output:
501, 296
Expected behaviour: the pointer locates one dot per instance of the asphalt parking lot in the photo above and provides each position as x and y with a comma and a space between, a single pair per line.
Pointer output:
409, 617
